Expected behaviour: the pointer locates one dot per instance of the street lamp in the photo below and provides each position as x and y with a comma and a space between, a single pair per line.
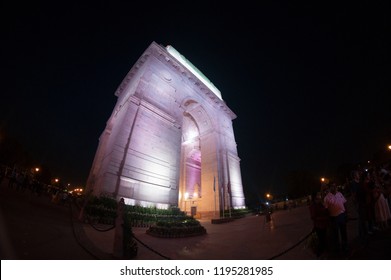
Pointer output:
323, 183
269, 196
324, 180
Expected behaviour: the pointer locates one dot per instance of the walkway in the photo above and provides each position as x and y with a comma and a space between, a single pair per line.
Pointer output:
33, 227
248, 238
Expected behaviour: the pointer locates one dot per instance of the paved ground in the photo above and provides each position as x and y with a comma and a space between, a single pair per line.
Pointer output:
285, 238
33, 227
246, 238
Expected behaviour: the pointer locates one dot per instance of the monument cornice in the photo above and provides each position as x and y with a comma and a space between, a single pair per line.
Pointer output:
160, 52
193, 79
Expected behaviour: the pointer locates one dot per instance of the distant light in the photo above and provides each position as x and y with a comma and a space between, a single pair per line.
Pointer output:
389, 147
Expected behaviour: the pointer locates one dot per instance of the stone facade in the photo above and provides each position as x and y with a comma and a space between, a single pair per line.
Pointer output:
169, 141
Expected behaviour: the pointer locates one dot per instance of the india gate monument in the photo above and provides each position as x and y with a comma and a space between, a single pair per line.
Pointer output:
169, 140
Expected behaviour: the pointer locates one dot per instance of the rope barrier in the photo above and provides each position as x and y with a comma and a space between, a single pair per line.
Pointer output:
71, 212
99, 229
301, 241
295, 245
149, 248
138, 240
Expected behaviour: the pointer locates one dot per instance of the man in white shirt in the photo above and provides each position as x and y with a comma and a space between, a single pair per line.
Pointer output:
334, 201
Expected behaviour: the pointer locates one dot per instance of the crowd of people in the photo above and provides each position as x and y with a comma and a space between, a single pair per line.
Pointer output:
23, 180
370, 192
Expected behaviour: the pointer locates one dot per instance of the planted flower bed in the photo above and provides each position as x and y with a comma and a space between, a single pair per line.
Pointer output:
102, 210
161, 222
177, 229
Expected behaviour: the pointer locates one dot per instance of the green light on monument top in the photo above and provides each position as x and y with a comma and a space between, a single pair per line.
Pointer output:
193, 70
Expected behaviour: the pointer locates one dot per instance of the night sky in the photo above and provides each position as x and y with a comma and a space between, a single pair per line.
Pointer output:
310, 85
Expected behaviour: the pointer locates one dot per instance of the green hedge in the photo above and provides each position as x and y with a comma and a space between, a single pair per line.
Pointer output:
168, 223
176, 229
103, 210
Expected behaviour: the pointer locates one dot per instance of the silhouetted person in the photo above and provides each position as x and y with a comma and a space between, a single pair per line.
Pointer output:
368, 187
360, 204
321, 221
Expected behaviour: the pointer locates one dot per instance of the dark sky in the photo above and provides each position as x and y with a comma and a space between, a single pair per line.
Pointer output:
310, 84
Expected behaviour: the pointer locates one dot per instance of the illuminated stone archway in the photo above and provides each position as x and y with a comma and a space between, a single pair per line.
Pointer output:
169, 141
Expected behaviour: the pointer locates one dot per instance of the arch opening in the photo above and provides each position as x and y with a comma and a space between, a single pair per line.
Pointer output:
191, 188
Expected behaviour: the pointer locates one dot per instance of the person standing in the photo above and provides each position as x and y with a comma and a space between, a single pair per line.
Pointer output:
359, 200
321, 221
382, 210
334, 202
368, 187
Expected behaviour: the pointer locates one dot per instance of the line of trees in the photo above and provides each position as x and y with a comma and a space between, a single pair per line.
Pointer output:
14, 155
